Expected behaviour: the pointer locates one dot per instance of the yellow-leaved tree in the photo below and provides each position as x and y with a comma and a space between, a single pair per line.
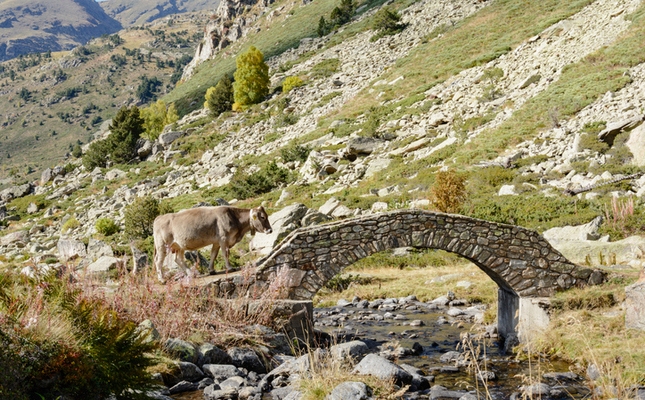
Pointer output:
156, 117
251, 84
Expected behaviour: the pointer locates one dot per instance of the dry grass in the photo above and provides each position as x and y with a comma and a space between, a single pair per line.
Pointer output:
393, 281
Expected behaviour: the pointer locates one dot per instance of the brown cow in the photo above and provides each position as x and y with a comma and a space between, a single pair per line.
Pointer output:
195, 228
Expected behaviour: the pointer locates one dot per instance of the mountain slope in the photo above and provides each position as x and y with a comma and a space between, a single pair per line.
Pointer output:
29, 26
137, 12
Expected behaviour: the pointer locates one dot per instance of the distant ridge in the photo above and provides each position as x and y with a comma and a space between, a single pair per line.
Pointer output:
29, 26
137, 12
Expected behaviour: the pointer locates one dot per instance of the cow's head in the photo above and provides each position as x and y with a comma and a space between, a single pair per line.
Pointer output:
259, 220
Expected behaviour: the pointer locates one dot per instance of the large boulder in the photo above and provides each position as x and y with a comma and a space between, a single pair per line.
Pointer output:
98, 248
588, 231
104, 264
15, 192
635, 305
168, 137
362, 146
15, 237
282, 222
69, 249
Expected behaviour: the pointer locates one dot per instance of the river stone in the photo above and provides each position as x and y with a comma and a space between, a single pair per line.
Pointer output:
214, 392
449, 357
507, 190
350, 391
190, 371
382, 368
234, 381
438, 392
147, 328
210, 354
635, 306
221, 372
183, 386
350, 350
69, 249
181, 349
246, 358
536, 390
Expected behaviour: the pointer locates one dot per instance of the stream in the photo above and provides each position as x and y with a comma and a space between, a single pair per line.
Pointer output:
427, 335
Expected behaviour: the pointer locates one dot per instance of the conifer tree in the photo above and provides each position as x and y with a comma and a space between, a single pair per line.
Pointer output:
251, 79
219, 98
126, 128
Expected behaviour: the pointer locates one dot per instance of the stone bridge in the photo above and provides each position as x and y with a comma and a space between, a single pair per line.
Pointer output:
525, 267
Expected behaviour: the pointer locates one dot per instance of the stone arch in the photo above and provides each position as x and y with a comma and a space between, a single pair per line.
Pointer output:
519, 260
526, 268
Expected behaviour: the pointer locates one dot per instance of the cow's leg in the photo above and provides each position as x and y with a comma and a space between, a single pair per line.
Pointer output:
225, 253
181, 261
214, 251
160, 256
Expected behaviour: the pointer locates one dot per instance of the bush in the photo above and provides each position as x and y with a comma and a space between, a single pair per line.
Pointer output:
295, 153
263, 181
291, 82
70, 224
156, 117
140, 215
449, 191
251, 78
106, 227
219, 98
92, 352
386, 22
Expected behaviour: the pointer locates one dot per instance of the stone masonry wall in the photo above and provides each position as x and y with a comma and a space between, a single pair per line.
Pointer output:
519, 260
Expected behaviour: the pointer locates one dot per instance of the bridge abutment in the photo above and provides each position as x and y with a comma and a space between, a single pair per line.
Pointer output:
521, 317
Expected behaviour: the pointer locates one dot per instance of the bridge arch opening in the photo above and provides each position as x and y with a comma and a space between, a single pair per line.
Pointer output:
523, 264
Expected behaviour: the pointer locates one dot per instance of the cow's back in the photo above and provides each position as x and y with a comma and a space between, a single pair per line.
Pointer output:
201, 226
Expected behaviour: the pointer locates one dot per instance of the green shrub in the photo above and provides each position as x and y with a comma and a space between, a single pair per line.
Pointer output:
341, 282
106, 227
140, 215
91, 354
265, 180
590, 141
291, 82
70, 224
386, 22
295, 153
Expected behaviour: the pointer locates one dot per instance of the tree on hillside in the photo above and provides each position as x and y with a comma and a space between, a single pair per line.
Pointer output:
340, 15
119, 147
386, 22
126, 128
219, 98
156, 117
251, 79
148, 88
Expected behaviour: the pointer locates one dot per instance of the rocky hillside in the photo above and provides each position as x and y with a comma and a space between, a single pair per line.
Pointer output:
137, 12
33, 26
538, 107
